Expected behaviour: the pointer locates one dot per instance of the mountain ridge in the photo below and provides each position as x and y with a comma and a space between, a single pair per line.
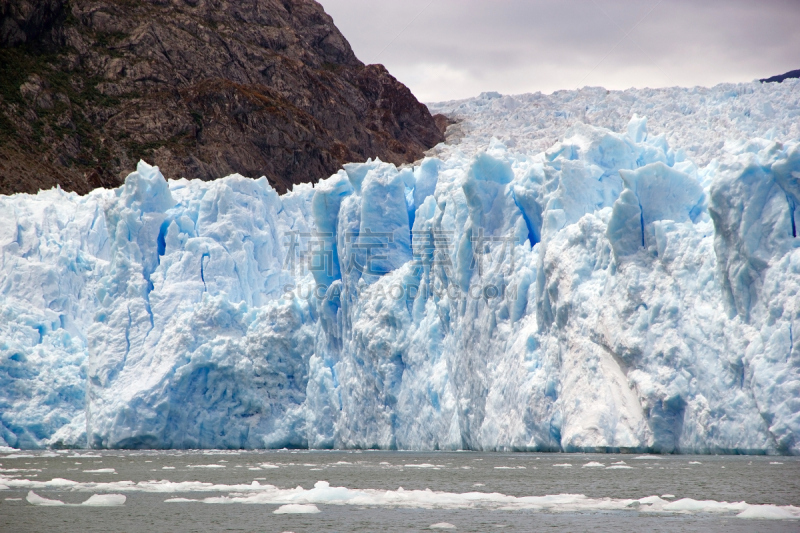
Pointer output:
782, 77
200, 88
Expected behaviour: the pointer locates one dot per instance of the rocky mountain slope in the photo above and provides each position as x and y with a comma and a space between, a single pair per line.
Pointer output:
201, 88
783, 77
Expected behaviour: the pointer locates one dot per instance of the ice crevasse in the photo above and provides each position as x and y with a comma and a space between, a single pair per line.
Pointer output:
606, 294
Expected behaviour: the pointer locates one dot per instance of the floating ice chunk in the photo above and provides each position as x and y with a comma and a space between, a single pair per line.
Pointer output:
593, 464
770, 512
296, 508
205, 466
35, 499
221, 452
775, 463
695, 463
442, 525
706, 506
101, 471
667, 496
105, 500
565, 465
619, 467
323, 493
167, 468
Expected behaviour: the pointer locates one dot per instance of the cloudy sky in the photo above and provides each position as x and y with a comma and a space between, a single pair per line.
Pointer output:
448, 49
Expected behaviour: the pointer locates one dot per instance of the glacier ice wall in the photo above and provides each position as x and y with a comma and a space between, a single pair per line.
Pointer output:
606, 294
699, 121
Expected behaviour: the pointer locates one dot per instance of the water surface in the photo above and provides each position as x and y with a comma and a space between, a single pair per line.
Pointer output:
448, 475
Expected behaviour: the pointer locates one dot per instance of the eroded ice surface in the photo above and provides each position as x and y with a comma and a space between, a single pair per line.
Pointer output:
611, 292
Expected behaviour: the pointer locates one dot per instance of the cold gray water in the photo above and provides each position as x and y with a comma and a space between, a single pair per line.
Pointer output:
468, 491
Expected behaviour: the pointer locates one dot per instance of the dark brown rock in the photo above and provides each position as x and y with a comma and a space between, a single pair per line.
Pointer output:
442, 121
202, 88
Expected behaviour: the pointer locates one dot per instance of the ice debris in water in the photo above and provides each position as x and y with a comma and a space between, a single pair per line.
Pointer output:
632, 288
105, 500
35, 499
302, 500
95, 500
296, 508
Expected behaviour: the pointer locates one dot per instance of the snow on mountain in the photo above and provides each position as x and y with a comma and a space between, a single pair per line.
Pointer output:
632, 288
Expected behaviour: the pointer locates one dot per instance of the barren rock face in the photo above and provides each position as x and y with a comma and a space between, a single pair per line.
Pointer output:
200, 88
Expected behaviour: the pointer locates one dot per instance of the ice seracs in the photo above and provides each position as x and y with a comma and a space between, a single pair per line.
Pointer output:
603, 293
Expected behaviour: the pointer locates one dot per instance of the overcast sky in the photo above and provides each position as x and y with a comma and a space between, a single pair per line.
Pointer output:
448, 49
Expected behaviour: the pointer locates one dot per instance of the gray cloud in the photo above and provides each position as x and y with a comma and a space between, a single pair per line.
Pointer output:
448, 49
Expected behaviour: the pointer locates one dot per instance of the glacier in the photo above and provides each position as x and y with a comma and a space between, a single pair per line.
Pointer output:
614, 290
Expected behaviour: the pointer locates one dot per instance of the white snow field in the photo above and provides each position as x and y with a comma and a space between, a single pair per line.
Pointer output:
633, 287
